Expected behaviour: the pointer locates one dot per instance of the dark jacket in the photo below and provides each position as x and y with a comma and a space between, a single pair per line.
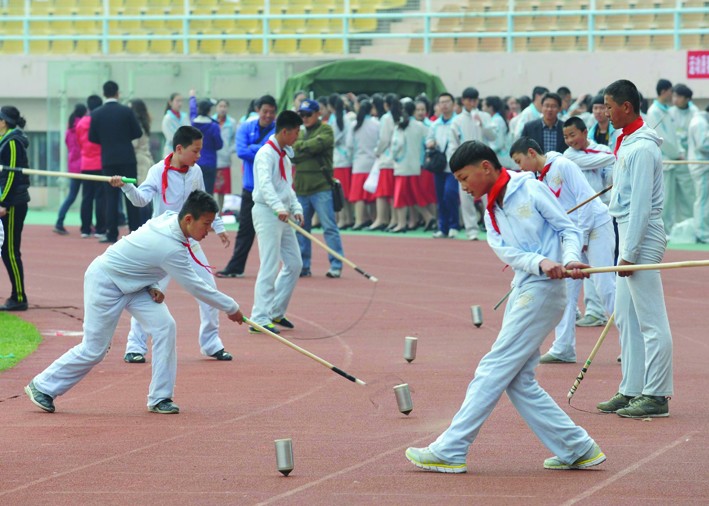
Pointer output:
533, 129
114, 126
313, 152
248, 141
14, 186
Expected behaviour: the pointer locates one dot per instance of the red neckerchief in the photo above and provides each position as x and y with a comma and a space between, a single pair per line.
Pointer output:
168, 167
627, 130
176, 114
544, 171
492, 195
589, 150
281, 156
209, 268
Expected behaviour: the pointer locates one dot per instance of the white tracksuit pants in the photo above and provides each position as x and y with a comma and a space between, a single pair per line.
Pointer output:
531, 313
103, 305
209, 341
274, 284
645, 337
593, 305
601, 247
469, 213
679, 195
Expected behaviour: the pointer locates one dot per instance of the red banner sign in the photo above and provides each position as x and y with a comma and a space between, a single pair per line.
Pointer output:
698, 64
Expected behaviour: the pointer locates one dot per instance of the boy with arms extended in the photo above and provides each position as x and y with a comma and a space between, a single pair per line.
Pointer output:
568, 185
529, 231
167, 186
274, 203
636, 203
126, 277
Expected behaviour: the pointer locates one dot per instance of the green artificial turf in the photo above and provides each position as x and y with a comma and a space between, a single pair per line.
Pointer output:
18, 339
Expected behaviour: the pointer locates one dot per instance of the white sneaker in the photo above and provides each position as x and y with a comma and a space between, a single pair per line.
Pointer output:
425, 459
438, 235
452, 233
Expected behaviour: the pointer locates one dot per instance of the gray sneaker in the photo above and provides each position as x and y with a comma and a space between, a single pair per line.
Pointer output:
646, 406
618, 401
425, 459
591, 458
591, 321
39, 399
548, 358
334, 273
165, 407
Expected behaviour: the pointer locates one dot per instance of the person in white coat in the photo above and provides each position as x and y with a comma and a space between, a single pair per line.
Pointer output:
365, 135
385, 218
679, 191
470, 124
528, 230
698, 145
275, 202
566, 182
640, 313
342, 156
126, 277
227, 126
499, 140
167, 186
173, 119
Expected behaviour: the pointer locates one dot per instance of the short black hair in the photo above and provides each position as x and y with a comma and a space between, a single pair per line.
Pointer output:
598, 100
198, 202
563, 90
622, 91
445, 94
523, 145
683, 91
471, 93
266, 100
539, 90
662, 85
185, 136
472, 152
93, 102
288, 120
575, 121
110, 89
203, 107
553, 96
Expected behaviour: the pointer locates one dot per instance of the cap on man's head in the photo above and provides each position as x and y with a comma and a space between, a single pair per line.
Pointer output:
308, 105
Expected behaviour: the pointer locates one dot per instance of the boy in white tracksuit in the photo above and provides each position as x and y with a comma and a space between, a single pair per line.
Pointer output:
566, 182
275, 202
636, 203
167, 185
126, 277
528, 230
698, 144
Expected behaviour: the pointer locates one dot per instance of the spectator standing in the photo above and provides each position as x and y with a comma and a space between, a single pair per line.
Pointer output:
227, 127
250, 136
548, 131
313, 176
92, 193
602, 131
529, 113
73, 166
698, 142
365, 136
173, 119
211, 140
141, 145
114, 126
385, 185
342, 156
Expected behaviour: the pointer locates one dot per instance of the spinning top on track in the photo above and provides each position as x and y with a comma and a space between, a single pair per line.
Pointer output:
477, 314
403, 398
410, 348
284, 455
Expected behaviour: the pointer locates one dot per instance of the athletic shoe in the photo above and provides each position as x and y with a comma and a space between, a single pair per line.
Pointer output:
165, 407
60, 230
618, 401
452, 233
591, 321
333, 273
85, 236
425, 459
591, 458
13, 305
134, 358
270, 326
473, 238
227, 274
548, 358
284, 322
646, 406
305, 273
439, 235
222, 355
39, 399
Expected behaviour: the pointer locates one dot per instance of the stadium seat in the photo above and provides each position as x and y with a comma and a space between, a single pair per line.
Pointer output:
235, 46
39, 46
89, 7
87, 47
472, 24
569, 43
136, 46
610, 42
416, 45
12, 47
87, 27
333, 46
451, 24
202, 26
13, 7
443, 45
694, 20
11, 27
467, 45
310, 46
284, 46
662, 42
491, 44
41, 7
359, 25
134, 7
255, 45
391, 4
213, 46
116, 46
62, 47
163, 46
39, 27
66, 8
693, 41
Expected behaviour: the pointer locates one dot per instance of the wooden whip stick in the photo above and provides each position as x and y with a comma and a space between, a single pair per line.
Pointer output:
604, 190
304, 352
71, 175
595, 349
647, 267
685, 162
334, 253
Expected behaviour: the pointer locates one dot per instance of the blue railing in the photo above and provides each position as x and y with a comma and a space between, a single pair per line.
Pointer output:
347, 35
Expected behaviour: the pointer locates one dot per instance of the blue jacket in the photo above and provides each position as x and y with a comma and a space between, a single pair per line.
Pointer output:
247, 145
212, 137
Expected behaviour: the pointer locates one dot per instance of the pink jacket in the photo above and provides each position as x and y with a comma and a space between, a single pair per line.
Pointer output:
73, 149
90, 152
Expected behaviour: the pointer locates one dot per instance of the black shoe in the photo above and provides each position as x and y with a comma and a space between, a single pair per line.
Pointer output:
60, 230
40, 399
271, 327
222, 355
165, 407
227, 274
106, 240
363, 226
431, 225
400, 230
377, 228
134, 358
344, 227
13, 305
284, 322
305, 273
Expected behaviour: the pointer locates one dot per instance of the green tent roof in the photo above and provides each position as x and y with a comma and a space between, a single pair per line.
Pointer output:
362, 76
